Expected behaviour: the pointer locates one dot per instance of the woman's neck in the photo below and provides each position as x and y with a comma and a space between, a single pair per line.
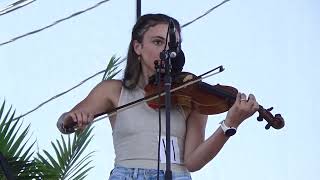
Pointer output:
144, 78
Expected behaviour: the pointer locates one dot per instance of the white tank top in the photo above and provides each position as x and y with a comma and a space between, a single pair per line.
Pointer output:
136, 130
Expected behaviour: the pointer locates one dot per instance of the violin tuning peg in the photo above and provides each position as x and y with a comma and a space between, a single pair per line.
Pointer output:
267, 126
259, 118
270, 109
277, 115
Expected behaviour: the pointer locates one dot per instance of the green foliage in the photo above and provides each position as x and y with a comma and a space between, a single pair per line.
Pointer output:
68, 165
111, 69
68, 162
13, 146
17, 155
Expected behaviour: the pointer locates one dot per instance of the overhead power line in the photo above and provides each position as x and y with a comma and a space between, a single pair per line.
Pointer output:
14, 6
54, 23
103, 71
113, 61
206, 13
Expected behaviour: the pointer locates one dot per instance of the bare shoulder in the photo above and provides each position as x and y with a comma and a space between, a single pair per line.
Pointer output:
103, 97
110, 89
111, 84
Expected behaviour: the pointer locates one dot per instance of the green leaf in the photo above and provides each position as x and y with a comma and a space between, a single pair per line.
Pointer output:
9, 137
87, 157
81, 175
13, 145
6, 126
44, 161
111, 67
27, 154
58, 155
68, 155
1, 112
53, 162
18, 141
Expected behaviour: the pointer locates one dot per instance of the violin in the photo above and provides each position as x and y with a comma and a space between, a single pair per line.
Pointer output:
205, 98
189, 91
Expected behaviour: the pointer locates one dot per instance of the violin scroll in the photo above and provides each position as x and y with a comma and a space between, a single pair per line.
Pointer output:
277, 121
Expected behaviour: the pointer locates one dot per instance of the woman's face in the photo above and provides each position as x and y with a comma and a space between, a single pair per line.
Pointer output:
153, 43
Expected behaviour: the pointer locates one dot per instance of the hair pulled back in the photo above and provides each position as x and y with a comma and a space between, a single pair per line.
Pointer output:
133, 68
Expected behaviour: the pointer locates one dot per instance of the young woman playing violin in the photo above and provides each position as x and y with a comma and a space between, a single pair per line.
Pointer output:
135, 130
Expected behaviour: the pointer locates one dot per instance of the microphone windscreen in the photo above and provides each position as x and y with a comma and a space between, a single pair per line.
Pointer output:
178, 62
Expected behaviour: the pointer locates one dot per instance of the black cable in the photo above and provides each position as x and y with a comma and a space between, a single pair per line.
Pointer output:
64, 92
206, 13
15, 6
78, 13
54, 23
60, 94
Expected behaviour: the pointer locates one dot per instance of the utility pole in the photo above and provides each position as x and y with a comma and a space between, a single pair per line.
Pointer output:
138, 9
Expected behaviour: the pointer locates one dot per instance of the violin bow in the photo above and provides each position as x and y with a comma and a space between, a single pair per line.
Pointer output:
114, 111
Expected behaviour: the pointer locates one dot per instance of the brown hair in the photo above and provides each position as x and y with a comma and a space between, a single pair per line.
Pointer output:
133, 68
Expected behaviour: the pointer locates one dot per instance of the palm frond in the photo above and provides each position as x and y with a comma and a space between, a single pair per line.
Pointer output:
14, 147
67, 163
111, 68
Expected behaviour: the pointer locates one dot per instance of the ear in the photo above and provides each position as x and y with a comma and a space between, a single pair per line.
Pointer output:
137, 47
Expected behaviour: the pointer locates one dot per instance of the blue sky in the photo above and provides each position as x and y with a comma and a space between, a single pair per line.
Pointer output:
268, 48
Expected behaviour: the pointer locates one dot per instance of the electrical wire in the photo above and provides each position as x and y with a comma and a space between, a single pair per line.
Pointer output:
103, 71
54, 23
14, 6
206, 13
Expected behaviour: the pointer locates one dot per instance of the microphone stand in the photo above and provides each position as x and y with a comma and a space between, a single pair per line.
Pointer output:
167, 87
167, 80
166, 56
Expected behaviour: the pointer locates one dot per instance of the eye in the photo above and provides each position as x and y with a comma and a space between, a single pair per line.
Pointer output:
158, 42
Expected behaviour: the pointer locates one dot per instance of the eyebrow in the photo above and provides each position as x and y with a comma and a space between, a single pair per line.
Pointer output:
160, 37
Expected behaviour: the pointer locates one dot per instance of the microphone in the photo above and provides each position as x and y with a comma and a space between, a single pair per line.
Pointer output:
173, 45
175, 52
177, 63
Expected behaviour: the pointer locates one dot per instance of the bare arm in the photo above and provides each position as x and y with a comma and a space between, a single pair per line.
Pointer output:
101, 98
198, 152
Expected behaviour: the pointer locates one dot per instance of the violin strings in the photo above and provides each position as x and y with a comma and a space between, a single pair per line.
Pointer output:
159, 95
